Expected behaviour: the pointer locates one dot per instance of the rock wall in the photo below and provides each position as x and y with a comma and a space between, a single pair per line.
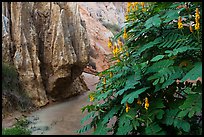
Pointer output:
48, 44
106, 12
96, 15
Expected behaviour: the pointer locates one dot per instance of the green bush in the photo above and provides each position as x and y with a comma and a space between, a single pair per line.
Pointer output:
19, 128
154, 87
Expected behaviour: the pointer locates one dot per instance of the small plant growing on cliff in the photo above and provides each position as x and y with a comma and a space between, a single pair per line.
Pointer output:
154, 86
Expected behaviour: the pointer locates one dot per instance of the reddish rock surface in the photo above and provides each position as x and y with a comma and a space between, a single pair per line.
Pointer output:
98, 35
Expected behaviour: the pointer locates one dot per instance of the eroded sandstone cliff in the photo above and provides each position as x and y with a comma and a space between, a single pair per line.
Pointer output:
101, 18
48, 44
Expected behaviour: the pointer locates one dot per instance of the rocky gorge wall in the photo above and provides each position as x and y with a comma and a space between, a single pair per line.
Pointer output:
97, 16
48, 45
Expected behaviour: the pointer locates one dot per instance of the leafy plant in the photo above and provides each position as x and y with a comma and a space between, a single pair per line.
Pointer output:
19, 128
154, 84
15, 131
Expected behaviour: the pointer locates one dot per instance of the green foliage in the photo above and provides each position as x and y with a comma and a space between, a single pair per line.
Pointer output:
153, 21
155, 88
173, 119
19, 128
191, 106
158, 57
88, 116
84, 128
154, 129
16, 131
194, 73
130, 97
124, 126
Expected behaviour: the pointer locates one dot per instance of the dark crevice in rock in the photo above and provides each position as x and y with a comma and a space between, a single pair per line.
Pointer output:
39, 26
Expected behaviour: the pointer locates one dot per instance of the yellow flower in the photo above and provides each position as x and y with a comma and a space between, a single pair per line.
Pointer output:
126, 49
135, 3
139, 102
109, 43
104, 80
125, 34
136, 8
114, 51
143, 9
197, 16
128, 6
180, 25
104, 87
111, 74
127, 108
133, 6
146, 103
197, 26
120, 49
91, 98
100, 75
142, 4
191, 28
120, 43
126, 17
127, 54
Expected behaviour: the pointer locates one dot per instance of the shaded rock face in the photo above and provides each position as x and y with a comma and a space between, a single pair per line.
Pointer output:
48, 45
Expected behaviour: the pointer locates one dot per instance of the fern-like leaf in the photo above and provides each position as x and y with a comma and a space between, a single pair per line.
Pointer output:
101, 129
84, 128
124, 125
166, 75
159, 65
191, 105
130, 84
171, 118
158, 57
154, 129
110, 114
148, 46
131, 96
194, 73
179, 50
88, 116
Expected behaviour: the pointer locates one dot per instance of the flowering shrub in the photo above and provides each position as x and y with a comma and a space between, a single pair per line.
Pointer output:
154, 86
